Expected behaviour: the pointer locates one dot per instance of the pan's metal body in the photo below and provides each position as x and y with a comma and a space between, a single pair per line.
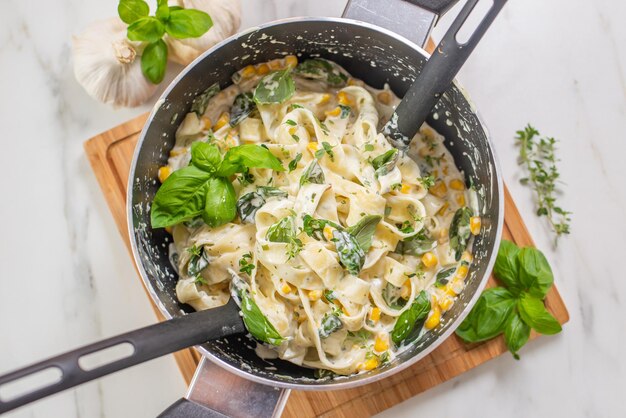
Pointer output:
370, 53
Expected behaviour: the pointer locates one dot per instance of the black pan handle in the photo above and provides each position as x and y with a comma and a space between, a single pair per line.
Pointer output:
436, 76
439, 7
148, 343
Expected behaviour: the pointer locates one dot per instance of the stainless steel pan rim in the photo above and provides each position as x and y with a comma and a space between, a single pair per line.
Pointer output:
337, 383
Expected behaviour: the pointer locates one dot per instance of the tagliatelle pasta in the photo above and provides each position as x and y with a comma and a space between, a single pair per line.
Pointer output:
338, 247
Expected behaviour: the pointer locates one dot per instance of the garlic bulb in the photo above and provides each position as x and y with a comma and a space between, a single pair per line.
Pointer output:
108, 65
226, 16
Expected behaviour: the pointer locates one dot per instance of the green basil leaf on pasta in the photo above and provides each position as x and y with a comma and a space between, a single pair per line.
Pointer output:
313, 174
282, 231
242, 107
132, 10
146, 29
443, 277
417, 245
459, 232
197, 262
275, 87
248, 205
535, 273
489, 316
221, 202
201, 101
205, 156
255, 321
242, 157
392, 295
507, 266
351, 255
154, 61
516, 334
330, 323
180, 198
364, 230
534, 313
411, 319
320, 69
188, 23
385, 162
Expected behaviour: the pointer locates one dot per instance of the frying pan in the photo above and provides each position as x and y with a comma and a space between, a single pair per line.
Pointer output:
235, 381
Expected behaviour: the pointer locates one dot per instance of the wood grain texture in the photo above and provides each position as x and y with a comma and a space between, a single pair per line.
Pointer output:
110, 154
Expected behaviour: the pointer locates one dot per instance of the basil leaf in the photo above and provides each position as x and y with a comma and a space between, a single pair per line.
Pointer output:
146, 29
256, 322
330, 323
242, 157
197, 263
205, 156
132, 10
188, 23
293, 164
162, 11
313, 174
534, 313
364, 230
269, 192
329, 295
319, 69
351, 255
489, 316
535, 273
275, 88
154, 61
507, 266
384, 163
412, 318
221, 202
417, 245
248, 205
392, 297
242, 107
315, 227
180, 198
201, 101
516, 334
459, 232
443, 276
282, 231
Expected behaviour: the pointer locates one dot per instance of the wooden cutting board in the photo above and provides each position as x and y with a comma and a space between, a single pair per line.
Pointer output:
110, 154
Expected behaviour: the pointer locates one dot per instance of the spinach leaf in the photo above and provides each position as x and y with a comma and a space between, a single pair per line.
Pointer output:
146, 29
319, 69
535, 273
330, 323
534, 313
205, 156
248, 205
351, 255
221, 202
242, 157
154, 61
392, 297
459, 232
417, 245
197, 262
489, 316
313, 174
507, 266
275, 87
187, 23
242, 107
384, 163
282, 231
443, 276
364, 230
201, 101
411, 319
181, 198
516, 334
132, 10
256, 322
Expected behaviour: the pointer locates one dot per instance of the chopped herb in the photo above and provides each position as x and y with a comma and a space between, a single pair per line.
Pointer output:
291, 122
385, 162
199, 280
427, 182
345, 111
312, 174
326, 149
295, 137
329, 295
368, 148
245, 266
293, 164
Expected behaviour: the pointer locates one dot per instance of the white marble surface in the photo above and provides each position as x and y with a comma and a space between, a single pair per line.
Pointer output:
66, 278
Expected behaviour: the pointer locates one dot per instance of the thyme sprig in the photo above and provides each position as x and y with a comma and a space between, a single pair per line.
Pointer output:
538, 155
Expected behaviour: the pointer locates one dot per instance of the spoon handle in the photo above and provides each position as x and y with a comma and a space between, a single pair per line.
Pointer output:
145, 343
436, 76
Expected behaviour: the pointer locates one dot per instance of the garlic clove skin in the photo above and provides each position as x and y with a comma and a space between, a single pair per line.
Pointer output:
108, 65
226, 16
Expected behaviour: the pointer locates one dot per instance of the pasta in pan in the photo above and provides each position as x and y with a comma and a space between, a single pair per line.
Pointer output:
351, 252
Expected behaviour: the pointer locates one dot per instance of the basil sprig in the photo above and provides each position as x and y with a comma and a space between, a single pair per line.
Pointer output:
175, 21
518, 306
203, 188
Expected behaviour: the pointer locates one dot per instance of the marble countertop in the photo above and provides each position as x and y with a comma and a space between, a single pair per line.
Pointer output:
66, 278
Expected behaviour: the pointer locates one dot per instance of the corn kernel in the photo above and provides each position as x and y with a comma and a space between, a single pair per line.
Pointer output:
335, 112
293, 130
291, 61
446, 303
406, 290
384, 97
381, 344
369, 364
429, 259
450, 290
443, 208
168, 229
461, 273
445, 170
275, 64
406, 188
312, 146
375, 314
460, 199
467, 257
328, 232
286, 288
315, 295
344, 98
456, 286
248, 71
353, 82
263, 69
164, 173
222, 121
457, 184
176, 152
475, 224
434, 319
206, 122
439, 189
324, 99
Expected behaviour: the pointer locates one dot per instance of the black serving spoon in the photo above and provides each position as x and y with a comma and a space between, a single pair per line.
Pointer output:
436, 76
